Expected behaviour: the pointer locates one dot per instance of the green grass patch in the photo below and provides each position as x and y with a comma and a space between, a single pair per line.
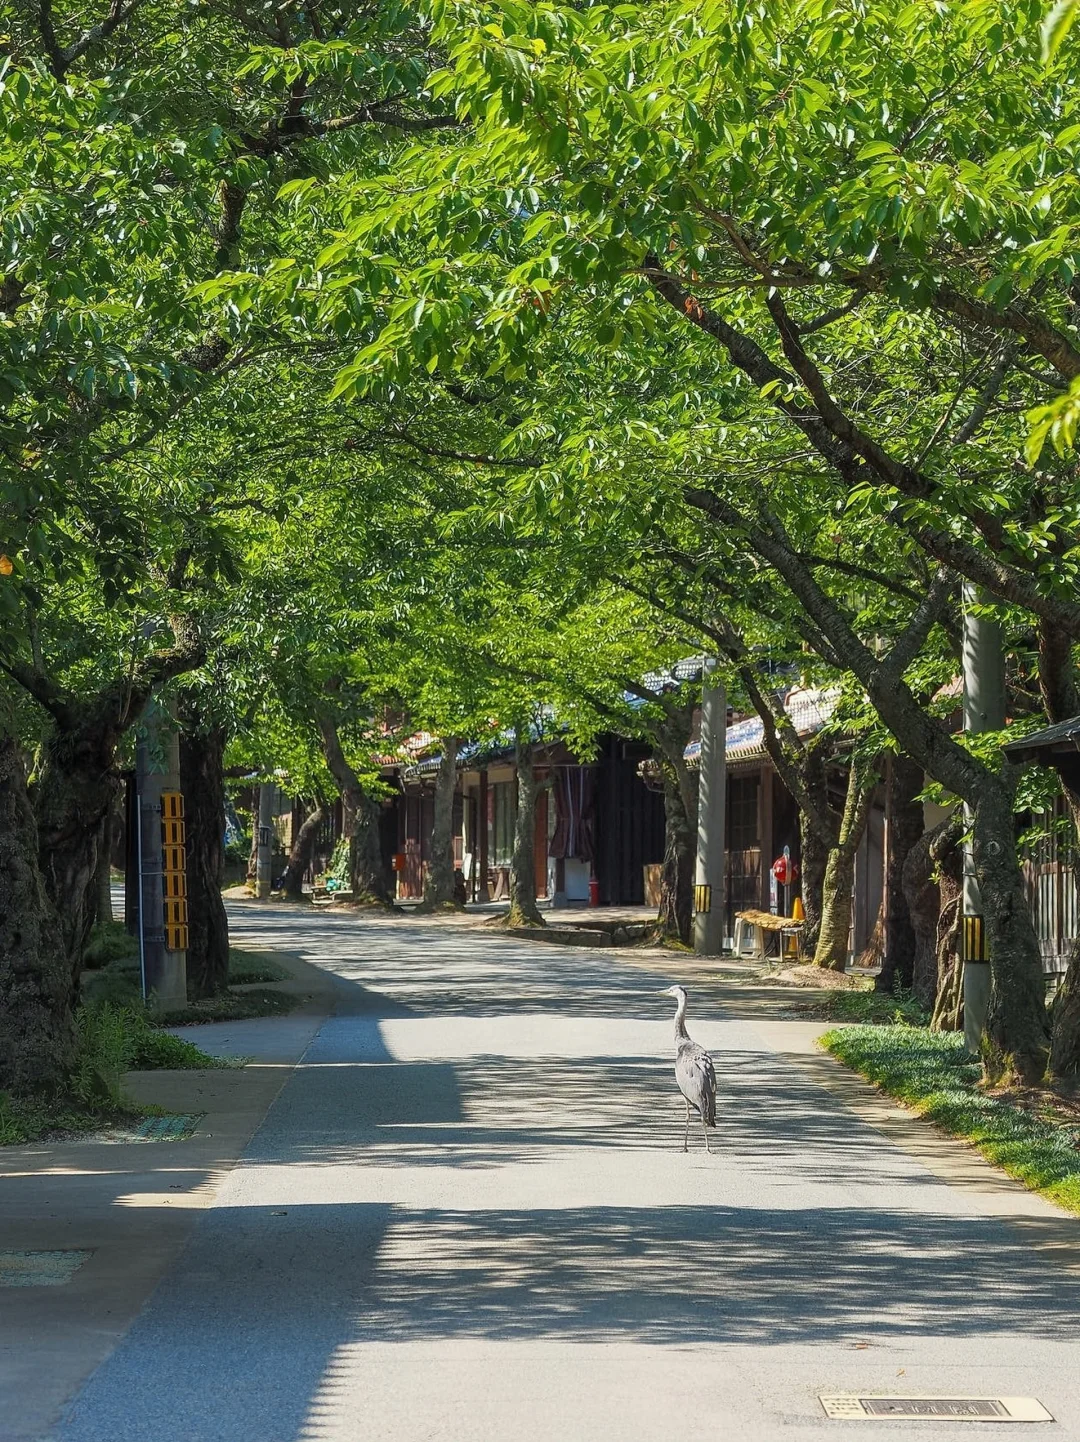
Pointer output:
34, 1121
110, 943
246, 967
234, 1006
874, 1008
933, 1074
111, 1040
116, 984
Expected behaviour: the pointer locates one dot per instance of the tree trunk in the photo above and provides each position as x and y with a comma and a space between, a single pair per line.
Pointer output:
1057, 683
292, 883
924, 893
523, 908
831, 951
906, 824
37, 1034
948, 1014
813, 860
367, 872
1065, 1012
676, 915
675, 918
1017, 1040
103, 910
439, 883
203, 785
832, 943
360, 822
75, 791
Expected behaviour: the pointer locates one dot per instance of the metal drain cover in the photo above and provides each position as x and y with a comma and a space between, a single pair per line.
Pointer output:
956, 1409
39, 1269
167, 1129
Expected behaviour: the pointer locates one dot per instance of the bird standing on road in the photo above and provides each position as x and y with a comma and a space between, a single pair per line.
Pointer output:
694, 1072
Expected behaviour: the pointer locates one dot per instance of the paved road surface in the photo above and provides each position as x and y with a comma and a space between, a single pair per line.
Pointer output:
468, 1218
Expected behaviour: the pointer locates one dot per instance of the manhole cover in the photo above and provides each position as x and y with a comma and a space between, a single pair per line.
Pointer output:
958, 1409
39, 1269
167, 1129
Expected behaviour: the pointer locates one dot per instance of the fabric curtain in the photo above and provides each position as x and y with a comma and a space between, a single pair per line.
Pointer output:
574, 826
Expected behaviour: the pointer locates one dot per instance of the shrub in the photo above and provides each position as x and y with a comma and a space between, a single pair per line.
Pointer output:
109, 943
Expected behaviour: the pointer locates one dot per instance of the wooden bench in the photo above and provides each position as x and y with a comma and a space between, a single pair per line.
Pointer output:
756, 924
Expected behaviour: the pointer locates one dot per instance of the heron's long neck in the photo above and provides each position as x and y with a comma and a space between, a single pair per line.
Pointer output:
680, 1019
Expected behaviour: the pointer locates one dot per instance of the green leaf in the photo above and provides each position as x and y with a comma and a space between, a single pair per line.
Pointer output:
1056, 26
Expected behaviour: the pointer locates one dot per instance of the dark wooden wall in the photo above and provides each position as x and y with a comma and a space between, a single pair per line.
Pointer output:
629, 824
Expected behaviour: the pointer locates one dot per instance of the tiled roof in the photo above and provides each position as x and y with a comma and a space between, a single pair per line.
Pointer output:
809, 709
1065, 733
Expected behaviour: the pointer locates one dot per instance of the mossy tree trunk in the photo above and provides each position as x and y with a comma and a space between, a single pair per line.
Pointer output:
37, 1033
906, 824
75, 790
676, 914
1016, 1041
948, 1012
103, 910
303, 847
922, 880
202, 782
360, 816
523, 908
439, 882
814, 856
77, 785
831, 951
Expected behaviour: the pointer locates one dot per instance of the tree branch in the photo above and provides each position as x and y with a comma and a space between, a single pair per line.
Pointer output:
911, 640
34, 681
61, 58
855, 455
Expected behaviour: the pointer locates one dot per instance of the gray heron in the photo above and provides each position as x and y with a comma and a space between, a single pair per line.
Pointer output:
694, 1072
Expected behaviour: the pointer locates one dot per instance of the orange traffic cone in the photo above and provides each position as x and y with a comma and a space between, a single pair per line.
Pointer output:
797, 914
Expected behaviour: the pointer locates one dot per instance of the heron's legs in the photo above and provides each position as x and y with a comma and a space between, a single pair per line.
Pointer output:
686, 1135
705, 1129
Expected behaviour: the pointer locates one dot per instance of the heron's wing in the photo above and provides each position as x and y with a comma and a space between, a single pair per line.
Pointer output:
696, 1075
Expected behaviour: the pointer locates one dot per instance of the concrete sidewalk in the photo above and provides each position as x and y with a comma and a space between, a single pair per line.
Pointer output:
467, 1216
131, 1205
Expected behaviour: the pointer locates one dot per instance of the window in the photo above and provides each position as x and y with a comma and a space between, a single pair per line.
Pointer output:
742, 820
503, 811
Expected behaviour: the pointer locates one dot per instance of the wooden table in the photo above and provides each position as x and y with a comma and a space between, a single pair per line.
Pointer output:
757, 924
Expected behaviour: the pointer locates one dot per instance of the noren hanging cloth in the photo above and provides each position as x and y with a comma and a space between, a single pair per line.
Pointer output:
574, 828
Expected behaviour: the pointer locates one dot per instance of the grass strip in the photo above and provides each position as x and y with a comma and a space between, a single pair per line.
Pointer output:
110, 1040
932, 1073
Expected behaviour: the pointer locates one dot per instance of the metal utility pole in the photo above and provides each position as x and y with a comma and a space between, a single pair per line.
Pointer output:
161, 859
984, 710
264, 854
712, 804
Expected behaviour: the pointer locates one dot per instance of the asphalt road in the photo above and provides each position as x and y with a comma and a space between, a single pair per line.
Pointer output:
468, 1217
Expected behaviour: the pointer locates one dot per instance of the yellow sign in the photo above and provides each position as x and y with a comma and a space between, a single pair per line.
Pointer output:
176, 938
975, 948
703, 898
